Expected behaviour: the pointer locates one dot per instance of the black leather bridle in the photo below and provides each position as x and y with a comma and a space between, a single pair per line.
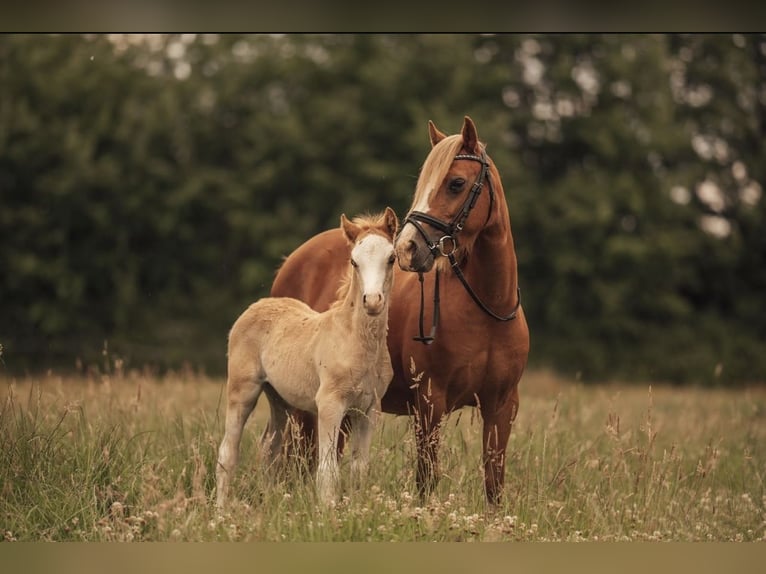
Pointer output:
447, 246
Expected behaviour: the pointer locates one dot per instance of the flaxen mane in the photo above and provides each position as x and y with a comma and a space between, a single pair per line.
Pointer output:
433, 172
435, 168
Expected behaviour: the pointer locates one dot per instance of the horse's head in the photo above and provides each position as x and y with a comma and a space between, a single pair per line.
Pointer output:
449, 208
372, 256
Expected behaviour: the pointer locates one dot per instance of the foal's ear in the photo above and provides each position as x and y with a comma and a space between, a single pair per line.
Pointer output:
390, 223
470, 137
434, 133
350, 229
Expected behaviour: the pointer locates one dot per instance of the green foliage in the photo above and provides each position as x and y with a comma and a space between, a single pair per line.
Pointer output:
150, 187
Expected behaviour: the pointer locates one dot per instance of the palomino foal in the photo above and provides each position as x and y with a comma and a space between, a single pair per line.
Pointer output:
331, 364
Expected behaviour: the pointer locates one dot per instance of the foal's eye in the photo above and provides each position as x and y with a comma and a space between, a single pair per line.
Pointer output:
354, 263
456, 184
392, 259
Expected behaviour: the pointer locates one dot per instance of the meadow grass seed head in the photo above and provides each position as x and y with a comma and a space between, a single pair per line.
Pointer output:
117, 509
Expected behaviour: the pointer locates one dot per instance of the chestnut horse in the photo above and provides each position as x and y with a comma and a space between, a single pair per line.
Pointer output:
459, 225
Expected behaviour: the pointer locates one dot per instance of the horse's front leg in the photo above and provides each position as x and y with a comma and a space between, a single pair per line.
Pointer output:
330, 415
429, 412
497, 422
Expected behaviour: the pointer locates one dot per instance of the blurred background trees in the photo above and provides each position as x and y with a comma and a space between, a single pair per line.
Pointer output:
150, 185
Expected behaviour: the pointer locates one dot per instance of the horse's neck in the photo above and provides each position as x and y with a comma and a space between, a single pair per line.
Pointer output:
493, 261
366, 329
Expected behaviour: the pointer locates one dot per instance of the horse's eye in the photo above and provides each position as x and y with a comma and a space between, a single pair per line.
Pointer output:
392, 259
456, 184
354, 264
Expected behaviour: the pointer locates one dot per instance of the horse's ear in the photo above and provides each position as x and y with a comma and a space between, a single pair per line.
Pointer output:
350, 229
434, 133
470, 137
390, 223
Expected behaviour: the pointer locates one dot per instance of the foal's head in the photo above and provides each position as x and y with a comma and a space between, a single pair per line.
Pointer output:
449, 208
372, 256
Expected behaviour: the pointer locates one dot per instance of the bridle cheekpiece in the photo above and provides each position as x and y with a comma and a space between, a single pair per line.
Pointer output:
451, 229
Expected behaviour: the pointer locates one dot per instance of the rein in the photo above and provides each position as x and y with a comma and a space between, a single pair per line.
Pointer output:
447, 246
430, 338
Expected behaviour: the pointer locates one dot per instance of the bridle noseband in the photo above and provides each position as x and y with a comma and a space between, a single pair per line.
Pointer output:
447, 245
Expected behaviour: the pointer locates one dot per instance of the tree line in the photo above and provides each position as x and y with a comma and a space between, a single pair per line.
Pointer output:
151, 185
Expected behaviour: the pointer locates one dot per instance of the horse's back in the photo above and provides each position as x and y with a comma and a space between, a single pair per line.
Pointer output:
312, 273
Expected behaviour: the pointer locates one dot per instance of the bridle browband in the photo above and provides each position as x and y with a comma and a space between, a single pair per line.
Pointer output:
447, 246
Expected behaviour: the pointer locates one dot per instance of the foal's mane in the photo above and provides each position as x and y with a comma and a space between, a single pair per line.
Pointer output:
370, 224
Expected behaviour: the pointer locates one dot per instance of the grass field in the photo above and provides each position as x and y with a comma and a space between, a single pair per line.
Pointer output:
131, 456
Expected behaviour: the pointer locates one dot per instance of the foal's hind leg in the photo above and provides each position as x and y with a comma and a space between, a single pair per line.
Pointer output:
242, 392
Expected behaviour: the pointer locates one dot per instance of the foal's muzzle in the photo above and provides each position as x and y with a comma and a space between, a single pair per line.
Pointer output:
373, 303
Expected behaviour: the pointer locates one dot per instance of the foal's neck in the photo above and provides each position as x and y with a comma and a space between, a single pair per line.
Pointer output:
368, 328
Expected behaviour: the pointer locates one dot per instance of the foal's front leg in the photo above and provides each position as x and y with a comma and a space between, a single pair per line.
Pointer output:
362, 429
331, 410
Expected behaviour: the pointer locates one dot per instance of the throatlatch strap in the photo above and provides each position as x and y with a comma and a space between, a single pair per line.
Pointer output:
509, 317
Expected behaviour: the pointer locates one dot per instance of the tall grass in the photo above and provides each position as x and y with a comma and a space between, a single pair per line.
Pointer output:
131, 456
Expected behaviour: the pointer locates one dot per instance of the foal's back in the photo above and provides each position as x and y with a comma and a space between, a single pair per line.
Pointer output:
272, 341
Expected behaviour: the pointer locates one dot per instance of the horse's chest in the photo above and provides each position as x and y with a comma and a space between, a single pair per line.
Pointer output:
467, 358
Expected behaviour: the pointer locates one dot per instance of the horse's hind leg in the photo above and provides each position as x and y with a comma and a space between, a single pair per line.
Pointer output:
497, 422
242, 392
277, 429
291, 432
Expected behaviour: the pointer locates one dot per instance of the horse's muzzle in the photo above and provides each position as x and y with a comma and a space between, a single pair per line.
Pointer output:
412, 252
